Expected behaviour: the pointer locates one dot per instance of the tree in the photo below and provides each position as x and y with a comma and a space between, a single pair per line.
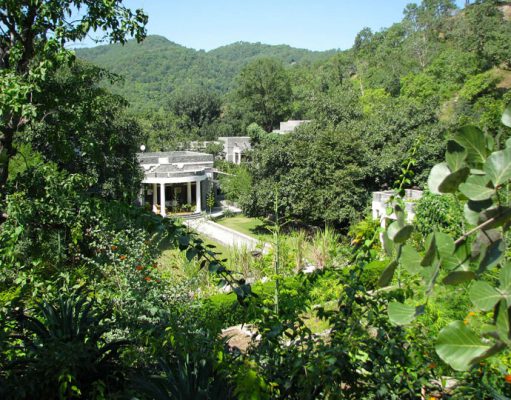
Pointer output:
483, 30
236, 183
214, 148
210, 200
32, 39
264, 88
87, 131
424, 23
318, 173
197, 106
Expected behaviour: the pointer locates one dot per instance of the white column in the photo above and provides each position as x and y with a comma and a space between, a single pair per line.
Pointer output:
189, 192
162, 199
197, 197
155, 197
141, 197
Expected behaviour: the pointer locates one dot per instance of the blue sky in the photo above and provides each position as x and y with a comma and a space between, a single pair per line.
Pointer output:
312, 24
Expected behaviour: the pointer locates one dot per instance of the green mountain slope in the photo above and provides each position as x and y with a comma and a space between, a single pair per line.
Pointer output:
156, 67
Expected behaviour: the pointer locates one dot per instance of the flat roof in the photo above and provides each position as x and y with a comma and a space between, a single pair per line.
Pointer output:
174, 157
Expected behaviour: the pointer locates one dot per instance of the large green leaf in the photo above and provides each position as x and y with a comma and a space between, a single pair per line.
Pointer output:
459, 260
451, 182
402, 314
498, 167
473, 140
430, 250
475, 188
437, 175
484, 296
399, 233
502, 322
457, 277
506, 117
410, 259
473, 208
505, 278
458, 346
483, 240
387, 274
444, 245
494, 252
470, 215
455, 155
388, 245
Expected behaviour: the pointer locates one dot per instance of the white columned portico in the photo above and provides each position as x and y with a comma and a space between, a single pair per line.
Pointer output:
198, 197
162, 199
189, 192
155, 197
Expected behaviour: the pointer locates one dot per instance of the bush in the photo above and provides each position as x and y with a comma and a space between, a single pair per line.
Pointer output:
442, 213
294, 295
63, 350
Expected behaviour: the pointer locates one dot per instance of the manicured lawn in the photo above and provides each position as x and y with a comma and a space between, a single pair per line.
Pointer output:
249, 226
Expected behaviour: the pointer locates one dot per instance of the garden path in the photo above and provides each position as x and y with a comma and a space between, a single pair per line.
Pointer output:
224, 235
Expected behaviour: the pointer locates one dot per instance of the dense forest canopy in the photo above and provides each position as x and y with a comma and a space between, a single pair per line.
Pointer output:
157, 67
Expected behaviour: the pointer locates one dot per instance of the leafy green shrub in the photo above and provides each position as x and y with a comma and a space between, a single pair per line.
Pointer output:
478, 84
478, 173
360, 357
326, 287
188, 377
371, 272
293, 295
442, 213
63, 350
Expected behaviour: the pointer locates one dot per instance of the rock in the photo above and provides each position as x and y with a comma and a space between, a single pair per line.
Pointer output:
239, 336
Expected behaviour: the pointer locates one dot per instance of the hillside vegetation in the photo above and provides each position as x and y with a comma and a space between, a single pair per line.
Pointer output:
155, 68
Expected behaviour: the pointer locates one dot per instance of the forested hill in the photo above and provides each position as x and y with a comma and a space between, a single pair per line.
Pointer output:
156, 67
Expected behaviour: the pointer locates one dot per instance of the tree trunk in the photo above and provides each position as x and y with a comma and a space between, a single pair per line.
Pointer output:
7, 151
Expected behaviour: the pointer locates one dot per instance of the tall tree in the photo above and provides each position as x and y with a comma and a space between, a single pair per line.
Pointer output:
198, 106
424, 23
33, 34
485, 31
264, 88
87, 131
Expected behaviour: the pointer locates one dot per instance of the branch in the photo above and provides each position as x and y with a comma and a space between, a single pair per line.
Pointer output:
486, 223
10, 25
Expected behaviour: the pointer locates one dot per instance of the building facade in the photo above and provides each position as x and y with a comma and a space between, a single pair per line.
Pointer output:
235, 147
381, 202
176, 181
290, 126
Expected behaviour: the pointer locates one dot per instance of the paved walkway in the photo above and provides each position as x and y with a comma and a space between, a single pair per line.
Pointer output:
226, 236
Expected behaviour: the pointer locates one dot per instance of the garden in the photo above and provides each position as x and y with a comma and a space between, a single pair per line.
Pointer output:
103, 299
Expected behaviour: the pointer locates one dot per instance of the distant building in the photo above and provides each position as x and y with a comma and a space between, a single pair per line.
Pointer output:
234, 147
176, 180
380, 204
199, 145
290, 126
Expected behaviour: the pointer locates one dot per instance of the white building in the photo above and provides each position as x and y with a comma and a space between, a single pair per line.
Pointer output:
176, 180
289, 126
234, 147
381, 202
